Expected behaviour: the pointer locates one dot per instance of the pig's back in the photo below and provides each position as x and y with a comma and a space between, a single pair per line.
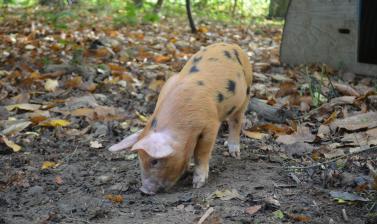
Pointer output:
212, 85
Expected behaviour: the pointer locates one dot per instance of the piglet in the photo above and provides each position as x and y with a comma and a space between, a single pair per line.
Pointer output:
212, 87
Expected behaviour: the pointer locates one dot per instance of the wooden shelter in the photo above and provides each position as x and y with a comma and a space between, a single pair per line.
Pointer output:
340, 33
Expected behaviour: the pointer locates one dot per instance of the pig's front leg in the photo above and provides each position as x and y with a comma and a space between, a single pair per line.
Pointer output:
235, 124
202, 154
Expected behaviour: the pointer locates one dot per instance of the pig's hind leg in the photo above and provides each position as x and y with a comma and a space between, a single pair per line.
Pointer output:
202, 154
235, 124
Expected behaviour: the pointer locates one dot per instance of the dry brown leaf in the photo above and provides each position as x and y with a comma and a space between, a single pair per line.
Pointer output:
356, 122
303, 134
83, 112
346, 89
254, 134
38, 116
114, 198
161, 59
273, 129
55, 123
51, 85
15, 128
49, 164
156, 85
300, 218
23, 106
253, 209
10, 144
74, 82
286, 88
59, 180
331, 118
323, 131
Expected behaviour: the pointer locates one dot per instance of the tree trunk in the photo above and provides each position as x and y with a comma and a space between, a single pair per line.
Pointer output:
138, 3
234, 7
278, 8
191, 21
158, 6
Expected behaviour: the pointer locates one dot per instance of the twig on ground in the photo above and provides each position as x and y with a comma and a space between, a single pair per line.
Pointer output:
332, 160
205, 216
344, 215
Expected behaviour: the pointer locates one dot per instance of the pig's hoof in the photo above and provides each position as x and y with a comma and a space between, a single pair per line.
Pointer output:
234, 150
198, 180
198, 184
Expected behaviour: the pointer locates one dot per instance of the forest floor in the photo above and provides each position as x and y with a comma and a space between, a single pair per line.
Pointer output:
68, 93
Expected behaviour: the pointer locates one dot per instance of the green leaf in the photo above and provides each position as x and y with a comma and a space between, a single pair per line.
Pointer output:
278, 214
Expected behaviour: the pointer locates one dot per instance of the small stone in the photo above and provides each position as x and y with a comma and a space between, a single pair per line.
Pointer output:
36, 190
103, 179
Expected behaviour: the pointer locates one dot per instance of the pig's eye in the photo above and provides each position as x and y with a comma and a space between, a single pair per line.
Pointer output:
154, 162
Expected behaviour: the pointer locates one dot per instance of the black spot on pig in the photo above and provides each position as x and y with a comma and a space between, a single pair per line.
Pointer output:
200, 136
248, 90
237, 56
231, 87
231, 111
194, 69
227, 54
200, 83
213, 59
196, 59
154, 123
220, 97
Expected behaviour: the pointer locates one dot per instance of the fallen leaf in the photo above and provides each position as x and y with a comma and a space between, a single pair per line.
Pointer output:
141, 117
38, 116
23, 106
286, 88
59, 180
15, 128
115, 198
83, 112
253, 209
273, 129
346, 196
254, 134
278, 214
300, 218
346, 89
331, 118
74, 82
297, 149
131, 156
356, 122
161, 59
51, 85
156, 85
226, 195
323, 131
55, 123
303, 134
11, 144
95, 145
49, 164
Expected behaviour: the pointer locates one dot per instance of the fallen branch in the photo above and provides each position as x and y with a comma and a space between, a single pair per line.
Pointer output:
332, 160
205, 216
269, 113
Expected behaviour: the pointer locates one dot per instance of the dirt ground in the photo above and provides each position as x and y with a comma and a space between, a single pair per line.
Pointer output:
79, 188
89, 174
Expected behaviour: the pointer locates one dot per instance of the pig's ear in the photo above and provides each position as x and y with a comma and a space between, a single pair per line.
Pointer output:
156, 145
126, 143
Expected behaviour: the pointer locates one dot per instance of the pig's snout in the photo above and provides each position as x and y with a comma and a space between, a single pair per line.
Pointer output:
149, 187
